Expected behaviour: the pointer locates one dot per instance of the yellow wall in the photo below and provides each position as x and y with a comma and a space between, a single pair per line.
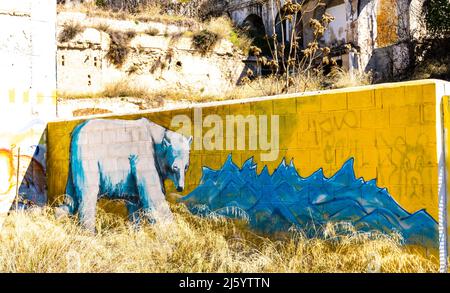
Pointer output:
389, 129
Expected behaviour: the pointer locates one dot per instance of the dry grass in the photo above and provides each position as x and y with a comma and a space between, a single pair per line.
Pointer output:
123, 88
103, 27
34, 241
69, 31
89, 111
224, 29
312, 81
204, 41
342, 78
262, 86
152, 31
150, 13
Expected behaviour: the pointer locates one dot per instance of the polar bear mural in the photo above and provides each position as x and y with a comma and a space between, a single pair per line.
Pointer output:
124, 159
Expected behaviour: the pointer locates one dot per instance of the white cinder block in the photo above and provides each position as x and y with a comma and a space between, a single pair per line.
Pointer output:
109, 165
109, 136
92, 165
95, 138
83, 139
101, 151
145, 148
87, 154
144, 135
135, 134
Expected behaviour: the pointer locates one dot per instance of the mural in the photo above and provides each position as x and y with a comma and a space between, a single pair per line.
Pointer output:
124, 159
22, 165
274, 202
388, 131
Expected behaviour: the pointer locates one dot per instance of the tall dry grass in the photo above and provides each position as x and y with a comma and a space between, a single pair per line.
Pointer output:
147, 13
224, 28
35, 241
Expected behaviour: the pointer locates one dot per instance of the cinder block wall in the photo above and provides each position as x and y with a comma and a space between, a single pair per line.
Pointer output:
392, 131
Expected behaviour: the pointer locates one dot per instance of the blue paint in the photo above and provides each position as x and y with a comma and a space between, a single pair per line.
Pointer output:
274, 203
75, 167
140, 181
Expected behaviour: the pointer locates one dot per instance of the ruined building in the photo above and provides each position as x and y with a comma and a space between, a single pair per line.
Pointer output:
379, 32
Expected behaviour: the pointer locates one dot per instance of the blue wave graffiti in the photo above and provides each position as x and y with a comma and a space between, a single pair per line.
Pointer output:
274, 203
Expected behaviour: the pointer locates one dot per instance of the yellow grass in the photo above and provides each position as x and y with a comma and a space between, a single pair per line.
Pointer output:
223, 27
149, 13
36, 242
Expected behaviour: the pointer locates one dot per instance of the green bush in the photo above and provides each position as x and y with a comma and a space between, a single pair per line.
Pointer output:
100, 3
437, 15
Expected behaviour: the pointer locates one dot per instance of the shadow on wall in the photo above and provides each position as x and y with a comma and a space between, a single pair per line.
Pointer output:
33, 188
389, 62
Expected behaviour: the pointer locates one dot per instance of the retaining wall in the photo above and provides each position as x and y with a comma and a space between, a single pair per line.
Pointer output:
372, 155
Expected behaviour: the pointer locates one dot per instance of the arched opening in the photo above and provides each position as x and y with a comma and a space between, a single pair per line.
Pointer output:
281, 29
254, 27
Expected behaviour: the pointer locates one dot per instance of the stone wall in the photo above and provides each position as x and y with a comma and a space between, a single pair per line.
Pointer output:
379, 31
165, 61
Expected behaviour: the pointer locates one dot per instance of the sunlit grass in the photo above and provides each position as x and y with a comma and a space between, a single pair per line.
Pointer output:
35, 241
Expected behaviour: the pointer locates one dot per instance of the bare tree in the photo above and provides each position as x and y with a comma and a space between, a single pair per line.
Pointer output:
289, 62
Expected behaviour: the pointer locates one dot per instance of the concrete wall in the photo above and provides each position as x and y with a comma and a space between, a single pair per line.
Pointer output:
390, 133
380, 30
28, 71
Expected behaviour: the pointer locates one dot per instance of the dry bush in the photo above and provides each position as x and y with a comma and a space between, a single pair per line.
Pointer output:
153, 12
204, 41
70, 31
152, 31
298, 83
90, 111
223, 27
103, 27
342, 78
123, 88
257, 87
119, 46
34, 241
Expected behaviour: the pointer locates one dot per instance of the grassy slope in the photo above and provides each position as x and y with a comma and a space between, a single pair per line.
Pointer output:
36, 242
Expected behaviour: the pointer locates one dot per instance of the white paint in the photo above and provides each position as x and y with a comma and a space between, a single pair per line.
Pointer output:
442, 88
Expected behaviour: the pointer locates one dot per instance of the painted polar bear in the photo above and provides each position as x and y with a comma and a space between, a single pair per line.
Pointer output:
124, 159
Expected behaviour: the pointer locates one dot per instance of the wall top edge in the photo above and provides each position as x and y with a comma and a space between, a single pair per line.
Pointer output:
264, 98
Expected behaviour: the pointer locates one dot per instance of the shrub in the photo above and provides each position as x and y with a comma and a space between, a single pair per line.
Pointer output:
204, 41
119, 46
104, 27
437, 16
152, 31
100, 3
70, 30
224, 28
